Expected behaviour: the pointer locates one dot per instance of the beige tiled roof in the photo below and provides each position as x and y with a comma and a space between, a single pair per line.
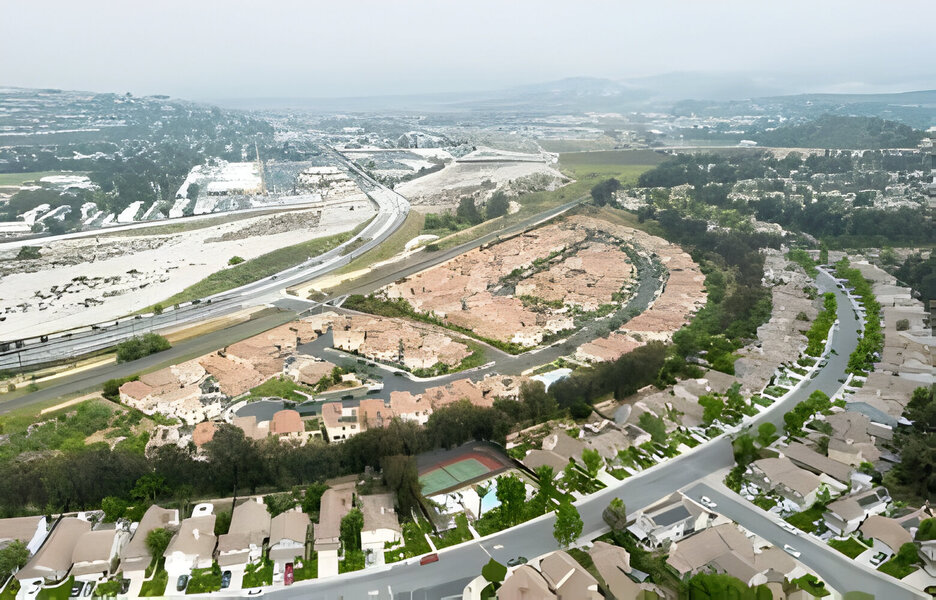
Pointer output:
285, 422
290, 525
54, 558
568, 578
18, 528
250, 524
889, 531
336, 503
155, 517
195, 538
525, 583
378, 512
782, 471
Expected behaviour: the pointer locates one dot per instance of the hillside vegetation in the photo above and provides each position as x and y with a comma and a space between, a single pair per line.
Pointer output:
842, 132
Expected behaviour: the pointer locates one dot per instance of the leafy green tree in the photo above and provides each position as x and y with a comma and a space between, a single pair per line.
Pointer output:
511, 492
494, 571
744, 450
615, 515
907, 554
497, 205
653, 425
712, 408
467, 211
157, 540
279, 503
603, 193
766, 433
402, 477
568, 525
149, 486
222, 522
351, 526
312, 499
114, 508
592, 460
13, 557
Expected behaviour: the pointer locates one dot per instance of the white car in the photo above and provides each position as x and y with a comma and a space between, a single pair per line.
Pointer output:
706, 501
791, 550
789, 527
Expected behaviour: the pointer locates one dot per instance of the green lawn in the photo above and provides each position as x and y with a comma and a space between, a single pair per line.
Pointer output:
812, 586
62, 592
850, 547
258, 574
204, 581
308, 570
21, 178
804, 520
897, 569
155, 586
280, 387
354, 561
611, 158
255, 269
454, 536
9, 592
414, 543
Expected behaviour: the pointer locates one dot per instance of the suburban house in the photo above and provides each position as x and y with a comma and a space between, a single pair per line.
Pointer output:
135, 556
845, 514
525, 583
336, 503
851, 442
341, 422
408, 407
193, 546
54, 558
32, 531
668, 520
96, 552
243, 543
373, 413
781, 476
613, 564
887, 534
536, 458
288, 532
568, 579
381, 525
807, 458
287, 423
725, 549
564, 445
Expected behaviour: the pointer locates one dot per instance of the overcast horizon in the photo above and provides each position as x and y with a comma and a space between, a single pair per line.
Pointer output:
212, 50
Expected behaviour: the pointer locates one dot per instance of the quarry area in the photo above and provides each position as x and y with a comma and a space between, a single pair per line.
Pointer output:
77, 282
482, 172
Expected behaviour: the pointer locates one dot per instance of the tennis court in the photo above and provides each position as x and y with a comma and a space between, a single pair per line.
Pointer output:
451, 475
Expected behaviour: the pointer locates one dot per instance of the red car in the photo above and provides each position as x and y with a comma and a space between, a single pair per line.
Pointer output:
429, 558
288, 574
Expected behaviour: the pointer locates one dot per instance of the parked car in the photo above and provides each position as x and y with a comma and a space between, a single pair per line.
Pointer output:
878, 558
288, 576
88, 588
706, 501
429, 558
789, 527
791, 551
225, 579
182, 583
76, 589
520, 560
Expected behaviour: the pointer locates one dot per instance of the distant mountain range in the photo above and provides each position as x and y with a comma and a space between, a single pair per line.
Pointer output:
679, 93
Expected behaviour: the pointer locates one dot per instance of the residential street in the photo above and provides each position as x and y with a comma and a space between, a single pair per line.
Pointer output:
459, 564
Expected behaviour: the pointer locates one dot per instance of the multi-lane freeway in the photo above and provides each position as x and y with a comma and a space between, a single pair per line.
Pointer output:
392, 209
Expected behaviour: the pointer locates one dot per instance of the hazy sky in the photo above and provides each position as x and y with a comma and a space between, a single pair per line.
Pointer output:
210, 49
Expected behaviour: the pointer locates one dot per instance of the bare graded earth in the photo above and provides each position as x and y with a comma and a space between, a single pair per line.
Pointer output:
89, 280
